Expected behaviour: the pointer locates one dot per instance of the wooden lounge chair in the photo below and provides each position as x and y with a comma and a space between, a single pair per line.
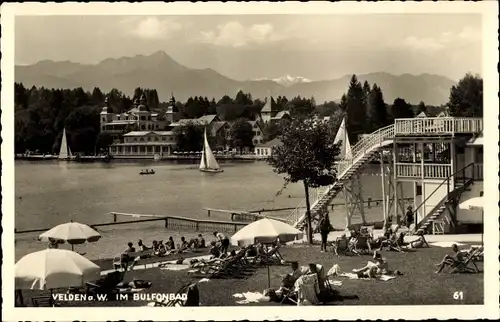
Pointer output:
362, 245
120, 261
271, 257
342, 245
44, 301
221, 268
468, 265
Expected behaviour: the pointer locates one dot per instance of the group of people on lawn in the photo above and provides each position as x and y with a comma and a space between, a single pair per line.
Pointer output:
158, 248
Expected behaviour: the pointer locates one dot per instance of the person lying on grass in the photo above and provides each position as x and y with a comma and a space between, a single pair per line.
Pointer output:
419, 243
378, 267
456, 257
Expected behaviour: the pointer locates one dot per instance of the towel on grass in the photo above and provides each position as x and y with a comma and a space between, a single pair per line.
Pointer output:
446, 244
335, 283
175, 267
250, 297
354, 276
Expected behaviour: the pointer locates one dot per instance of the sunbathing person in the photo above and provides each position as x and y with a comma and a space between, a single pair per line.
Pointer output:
183, 246
380, 266
419, 243
223, 240
214, 250
170, 244
162, 250
201, 241
451, 260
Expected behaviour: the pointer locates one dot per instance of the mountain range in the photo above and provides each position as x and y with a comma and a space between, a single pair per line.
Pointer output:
163, 73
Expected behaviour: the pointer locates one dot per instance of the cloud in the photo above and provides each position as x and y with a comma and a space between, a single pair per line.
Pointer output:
151, 27
446, 39
234, 34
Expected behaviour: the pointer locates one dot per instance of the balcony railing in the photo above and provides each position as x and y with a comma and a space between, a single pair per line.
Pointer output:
430, 171
437, 125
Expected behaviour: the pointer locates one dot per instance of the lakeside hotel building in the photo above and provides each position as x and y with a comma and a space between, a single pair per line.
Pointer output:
143, 134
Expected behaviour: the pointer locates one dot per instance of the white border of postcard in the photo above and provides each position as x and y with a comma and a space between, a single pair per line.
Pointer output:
490, 309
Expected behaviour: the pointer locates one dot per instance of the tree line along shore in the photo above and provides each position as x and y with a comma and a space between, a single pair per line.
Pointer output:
41, 114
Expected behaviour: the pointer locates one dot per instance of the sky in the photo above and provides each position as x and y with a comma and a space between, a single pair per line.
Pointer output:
265, 46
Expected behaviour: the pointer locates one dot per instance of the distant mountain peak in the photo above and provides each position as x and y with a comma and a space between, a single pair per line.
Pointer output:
287, 80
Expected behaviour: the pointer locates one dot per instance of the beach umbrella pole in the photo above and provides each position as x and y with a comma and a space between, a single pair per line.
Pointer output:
268, 276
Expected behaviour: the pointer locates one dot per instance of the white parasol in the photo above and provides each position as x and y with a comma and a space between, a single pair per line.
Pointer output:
73, 233
476, 203
54, 268
265, 231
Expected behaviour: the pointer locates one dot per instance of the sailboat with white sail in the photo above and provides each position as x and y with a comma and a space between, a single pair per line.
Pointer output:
208, 162
345, 148
65, 151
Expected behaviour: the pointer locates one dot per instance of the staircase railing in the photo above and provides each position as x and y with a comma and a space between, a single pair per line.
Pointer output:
364, 145
358, 150
450, 194
294, 216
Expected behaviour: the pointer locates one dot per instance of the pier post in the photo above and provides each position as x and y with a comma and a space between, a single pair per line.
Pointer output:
166, 222
114, 217
382, 175
208, 212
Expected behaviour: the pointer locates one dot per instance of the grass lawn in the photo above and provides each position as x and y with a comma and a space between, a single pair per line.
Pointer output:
419, 285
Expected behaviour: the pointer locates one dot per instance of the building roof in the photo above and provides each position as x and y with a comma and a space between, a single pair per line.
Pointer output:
216, 126
270, 144
421, 114
281, 114
184, 122
121, 122
267, 107
144, 133
207, 118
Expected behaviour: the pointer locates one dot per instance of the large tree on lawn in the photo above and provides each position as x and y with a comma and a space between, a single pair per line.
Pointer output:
307, 154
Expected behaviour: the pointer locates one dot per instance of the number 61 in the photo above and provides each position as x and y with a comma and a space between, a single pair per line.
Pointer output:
458, 295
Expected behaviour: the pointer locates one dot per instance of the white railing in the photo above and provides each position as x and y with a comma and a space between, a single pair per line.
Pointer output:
414, 170
437, 125
437, 171
409, 170
371, 142
366, 144
298, 212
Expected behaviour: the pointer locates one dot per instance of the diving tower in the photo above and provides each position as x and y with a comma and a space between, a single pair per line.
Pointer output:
433, 154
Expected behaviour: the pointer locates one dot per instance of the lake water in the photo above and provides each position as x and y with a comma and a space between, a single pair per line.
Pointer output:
49, 193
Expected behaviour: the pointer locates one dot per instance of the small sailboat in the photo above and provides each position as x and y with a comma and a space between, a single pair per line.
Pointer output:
208, 162
345, 148
65, 151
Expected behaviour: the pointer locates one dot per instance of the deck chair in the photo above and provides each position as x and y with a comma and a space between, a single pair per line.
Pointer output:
362, 245
307, 288
271, 257
192, 297
468, 265
342, 245
222, 268
44, 301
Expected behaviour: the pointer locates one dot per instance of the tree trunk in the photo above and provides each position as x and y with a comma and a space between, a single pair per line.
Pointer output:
308, 216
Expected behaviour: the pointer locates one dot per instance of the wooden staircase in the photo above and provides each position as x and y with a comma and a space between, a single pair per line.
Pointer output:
366, 149
362, 153
439, 211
